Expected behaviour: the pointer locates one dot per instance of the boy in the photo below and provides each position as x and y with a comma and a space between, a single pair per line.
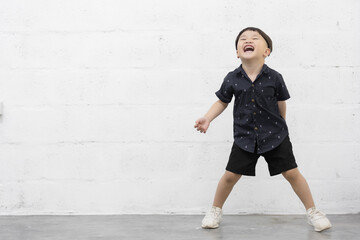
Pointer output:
259, 126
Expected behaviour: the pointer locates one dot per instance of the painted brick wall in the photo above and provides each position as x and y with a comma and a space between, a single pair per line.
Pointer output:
100, 99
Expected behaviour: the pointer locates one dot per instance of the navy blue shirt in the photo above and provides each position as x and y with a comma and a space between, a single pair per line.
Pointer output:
256, 113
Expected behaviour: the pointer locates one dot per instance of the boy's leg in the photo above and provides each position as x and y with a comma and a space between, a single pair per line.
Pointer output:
225, 185
300, 186
213, 218
315, 217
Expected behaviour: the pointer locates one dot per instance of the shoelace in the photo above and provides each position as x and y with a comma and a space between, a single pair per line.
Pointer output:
316, 214
214, 213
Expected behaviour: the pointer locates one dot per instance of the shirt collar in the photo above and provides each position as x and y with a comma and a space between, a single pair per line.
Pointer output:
264, 69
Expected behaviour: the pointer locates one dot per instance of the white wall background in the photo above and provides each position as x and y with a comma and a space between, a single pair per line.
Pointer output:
100, 99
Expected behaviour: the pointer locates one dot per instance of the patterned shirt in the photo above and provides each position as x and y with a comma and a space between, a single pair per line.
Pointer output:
256, 113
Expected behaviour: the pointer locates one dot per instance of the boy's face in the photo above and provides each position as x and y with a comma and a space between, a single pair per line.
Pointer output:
252, 46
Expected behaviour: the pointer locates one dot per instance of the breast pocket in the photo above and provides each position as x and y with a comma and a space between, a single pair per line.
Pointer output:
269, 92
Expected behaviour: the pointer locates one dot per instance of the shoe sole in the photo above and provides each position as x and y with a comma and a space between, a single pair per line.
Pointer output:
211, 227
319, 229
208, 227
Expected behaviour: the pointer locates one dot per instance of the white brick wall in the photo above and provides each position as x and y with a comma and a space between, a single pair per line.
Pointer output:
100, 98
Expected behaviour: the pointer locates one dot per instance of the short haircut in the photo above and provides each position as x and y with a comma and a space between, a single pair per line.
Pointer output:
264, 35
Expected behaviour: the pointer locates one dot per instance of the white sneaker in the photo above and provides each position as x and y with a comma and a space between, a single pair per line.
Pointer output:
318, 219
213, 218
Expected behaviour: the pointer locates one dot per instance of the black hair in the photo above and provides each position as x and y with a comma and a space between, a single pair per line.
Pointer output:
264, 35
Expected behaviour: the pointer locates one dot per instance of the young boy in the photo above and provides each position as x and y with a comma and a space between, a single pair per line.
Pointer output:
260, 128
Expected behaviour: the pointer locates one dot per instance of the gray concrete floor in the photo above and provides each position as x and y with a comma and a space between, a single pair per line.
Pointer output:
172, 227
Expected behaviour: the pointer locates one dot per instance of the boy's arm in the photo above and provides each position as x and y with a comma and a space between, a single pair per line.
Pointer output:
202, 124
216, 109
282, 109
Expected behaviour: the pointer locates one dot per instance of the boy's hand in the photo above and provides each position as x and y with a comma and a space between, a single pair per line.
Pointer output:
202, 124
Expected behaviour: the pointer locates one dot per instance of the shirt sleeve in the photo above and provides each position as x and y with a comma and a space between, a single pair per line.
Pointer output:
282, 93
226, 91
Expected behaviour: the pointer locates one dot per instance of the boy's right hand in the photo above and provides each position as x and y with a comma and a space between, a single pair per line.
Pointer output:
202, 124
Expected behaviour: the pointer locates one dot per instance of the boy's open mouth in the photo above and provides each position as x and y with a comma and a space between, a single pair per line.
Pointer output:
248, 48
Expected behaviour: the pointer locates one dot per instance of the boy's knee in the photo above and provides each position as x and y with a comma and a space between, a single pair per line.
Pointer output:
291, 174
231, 177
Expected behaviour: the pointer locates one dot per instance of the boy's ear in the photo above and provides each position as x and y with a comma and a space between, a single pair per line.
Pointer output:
267, 52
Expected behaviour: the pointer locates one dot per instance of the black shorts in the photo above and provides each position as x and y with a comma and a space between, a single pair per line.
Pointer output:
279, 159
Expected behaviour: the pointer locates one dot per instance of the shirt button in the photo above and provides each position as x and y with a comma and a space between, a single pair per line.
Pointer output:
256, 128
254, 113
253, 100
252, 85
